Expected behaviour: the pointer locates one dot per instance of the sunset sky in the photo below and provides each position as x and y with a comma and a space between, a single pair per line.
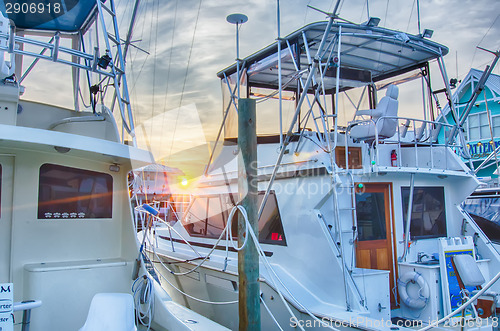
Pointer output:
176, 94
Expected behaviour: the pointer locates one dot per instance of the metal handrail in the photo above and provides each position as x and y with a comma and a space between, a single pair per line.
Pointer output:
26, 307
428, 139
50, 46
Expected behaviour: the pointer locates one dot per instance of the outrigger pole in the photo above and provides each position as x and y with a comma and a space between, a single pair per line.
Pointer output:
477, 91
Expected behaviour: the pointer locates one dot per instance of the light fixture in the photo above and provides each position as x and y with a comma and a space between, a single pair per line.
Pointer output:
373, 21
104, 61
427, 33
184, 182
114, 168
403, 37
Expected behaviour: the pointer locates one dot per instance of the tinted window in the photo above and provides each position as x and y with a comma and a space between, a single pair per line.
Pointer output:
486, 212
428, 218
270, 226
74, 193
370, 213
208, 217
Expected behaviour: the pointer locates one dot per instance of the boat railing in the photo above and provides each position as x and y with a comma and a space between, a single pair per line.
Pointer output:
469, 220
26, 307
109, 66
176, 209
424, 136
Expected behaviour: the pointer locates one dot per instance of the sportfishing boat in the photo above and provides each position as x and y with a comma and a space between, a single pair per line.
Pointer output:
69, 258
360, 224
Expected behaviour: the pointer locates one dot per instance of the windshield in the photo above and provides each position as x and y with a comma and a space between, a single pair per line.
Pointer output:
486, 212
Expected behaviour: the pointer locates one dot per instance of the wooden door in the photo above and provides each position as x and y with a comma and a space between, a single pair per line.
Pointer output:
374, 242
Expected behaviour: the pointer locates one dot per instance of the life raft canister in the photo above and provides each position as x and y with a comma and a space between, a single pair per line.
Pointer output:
423, 292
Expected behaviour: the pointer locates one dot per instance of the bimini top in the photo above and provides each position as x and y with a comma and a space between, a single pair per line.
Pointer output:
368, 54
49, 15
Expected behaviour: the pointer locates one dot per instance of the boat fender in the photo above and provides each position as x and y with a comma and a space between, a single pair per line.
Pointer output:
423, 293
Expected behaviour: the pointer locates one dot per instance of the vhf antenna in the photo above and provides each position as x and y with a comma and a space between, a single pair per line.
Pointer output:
333, 14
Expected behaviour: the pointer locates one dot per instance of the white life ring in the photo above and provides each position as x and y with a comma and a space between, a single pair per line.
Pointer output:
423, 293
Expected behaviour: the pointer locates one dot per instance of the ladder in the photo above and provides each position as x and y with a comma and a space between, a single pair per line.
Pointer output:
117, 67
109, 66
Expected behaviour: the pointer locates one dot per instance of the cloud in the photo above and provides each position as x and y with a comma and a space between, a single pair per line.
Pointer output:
178, 78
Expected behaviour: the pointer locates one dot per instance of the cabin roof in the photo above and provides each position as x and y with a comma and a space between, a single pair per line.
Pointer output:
52, 15
365, 50
160, 168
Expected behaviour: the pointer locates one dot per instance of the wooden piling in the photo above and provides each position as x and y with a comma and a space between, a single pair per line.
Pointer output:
248, 258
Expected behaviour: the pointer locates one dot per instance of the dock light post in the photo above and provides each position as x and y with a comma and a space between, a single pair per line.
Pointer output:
237, 19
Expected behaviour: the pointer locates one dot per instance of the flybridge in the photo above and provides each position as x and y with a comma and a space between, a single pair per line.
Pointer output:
37, 32
360, 55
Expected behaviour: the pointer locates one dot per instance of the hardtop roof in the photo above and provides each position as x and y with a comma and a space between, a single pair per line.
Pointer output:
69, 16
379, 52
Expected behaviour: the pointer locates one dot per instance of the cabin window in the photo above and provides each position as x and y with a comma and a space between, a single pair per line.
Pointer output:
370, 212
485, 211
208, 217
74, 193
479, 128
428, 217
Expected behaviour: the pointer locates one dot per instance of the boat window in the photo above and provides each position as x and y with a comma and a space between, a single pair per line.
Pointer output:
428, 217
270, 226
66, 192
486, 212
370, 214
208, 217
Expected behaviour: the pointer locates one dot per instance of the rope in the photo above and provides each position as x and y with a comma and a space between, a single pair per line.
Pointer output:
271, 314
475, 50
155, 57
185, 78
182, 292
143, 291
274, 277
167, 78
